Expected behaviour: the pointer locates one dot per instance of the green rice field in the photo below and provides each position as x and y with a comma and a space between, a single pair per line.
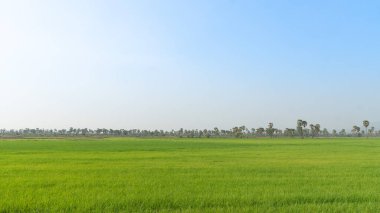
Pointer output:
190, 175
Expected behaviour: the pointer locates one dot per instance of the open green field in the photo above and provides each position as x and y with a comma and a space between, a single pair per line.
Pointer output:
190, 175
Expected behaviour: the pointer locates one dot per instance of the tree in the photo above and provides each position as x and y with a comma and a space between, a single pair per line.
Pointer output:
304, 124
278, 132
315, 129
289, 132
216, 131
260, 131
325, 132
342, 132
270, 130
372, 130
71, 130
366, 124
242, 129
84, 131
206, 133
312, 128
300, 127
237, 132
180, 132
355, 130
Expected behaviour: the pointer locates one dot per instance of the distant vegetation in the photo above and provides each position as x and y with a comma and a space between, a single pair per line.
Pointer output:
302, 130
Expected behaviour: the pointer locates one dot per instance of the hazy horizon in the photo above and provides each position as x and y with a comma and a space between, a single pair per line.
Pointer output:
190, 64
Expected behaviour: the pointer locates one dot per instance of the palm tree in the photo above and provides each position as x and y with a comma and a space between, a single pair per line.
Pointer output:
300, 124
312, 128
366, 124
304, 124
299, 127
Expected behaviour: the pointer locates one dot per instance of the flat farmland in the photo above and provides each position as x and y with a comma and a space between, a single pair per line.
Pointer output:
190, 175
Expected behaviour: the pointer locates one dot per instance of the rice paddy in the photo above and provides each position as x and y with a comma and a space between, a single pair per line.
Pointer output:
189, 175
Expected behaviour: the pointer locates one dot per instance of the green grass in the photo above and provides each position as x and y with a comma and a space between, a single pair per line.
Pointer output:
190, 175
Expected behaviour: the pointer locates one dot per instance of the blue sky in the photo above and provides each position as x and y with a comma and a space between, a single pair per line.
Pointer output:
192, 64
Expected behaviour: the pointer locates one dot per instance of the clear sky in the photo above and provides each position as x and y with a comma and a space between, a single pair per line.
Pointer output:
161, 64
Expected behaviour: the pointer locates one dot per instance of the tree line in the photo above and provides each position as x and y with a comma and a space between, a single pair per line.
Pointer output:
302, 130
